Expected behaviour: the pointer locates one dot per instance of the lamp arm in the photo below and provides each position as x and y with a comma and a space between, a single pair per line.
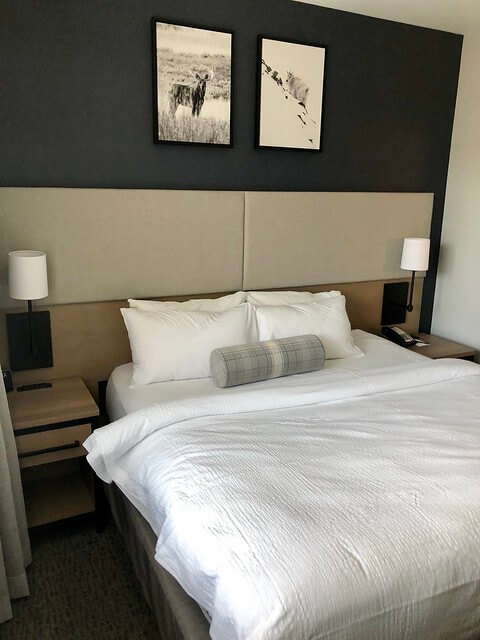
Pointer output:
412, 285
30, 324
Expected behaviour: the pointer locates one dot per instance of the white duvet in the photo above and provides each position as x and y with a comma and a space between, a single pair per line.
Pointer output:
340, 504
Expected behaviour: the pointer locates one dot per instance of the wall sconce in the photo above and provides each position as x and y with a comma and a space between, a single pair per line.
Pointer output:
29, 335
396, 297
415, 256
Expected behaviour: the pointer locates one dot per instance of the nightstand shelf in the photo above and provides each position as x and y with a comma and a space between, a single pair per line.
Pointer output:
57, 498
50, 426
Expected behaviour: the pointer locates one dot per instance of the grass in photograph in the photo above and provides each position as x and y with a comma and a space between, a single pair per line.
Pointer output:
184, 128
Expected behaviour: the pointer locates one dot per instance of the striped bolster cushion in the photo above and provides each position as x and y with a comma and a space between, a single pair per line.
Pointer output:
246, 363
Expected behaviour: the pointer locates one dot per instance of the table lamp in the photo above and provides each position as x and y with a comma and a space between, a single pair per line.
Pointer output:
29, 335
415, 256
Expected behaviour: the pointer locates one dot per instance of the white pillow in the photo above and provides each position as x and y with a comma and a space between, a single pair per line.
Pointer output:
207, 304
326, 318
264, 298
176, 345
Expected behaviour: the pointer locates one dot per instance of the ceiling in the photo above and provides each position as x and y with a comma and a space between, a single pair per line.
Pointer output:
459, 16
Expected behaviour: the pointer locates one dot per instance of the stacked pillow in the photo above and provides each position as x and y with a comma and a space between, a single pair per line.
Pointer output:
204, 304
176, 345
274, 298
174, 340
326, 318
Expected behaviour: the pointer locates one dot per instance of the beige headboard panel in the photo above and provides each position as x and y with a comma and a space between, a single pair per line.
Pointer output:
297, 238
109, 244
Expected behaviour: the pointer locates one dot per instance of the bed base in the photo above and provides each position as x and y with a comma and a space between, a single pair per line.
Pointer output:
178, 616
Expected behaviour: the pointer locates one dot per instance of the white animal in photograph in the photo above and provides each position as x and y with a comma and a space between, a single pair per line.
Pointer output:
291, 95
297, 88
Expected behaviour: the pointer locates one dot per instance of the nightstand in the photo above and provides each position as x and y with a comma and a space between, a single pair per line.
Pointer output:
50, 426
441, 348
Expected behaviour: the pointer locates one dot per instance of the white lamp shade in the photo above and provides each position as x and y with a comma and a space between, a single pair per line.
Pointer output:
27, 275
415, 254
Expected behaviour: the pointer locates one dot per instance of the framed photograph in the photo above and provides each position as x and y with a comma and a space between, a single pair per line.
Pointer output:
291, 77
192, 84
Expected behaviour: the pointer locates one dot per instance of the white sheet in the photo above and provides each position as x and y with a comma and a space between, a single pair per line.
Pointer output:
122, 399
340, 504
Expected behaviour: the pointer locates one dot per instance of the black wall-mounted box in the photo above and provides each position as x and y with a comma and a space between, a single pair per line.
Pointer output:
394, 306
22, 358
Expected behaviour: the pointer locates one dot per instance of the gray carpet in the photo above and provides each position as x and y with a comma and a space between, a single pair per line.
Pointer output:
82, 587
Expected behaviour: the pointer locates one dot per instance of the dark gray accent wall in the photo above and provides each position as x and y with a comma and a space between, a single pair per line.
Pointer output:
76, 101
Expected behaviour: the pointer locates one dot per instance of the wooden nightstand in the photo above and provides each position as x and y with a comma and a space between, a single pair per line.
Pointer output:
50, 426
441, 348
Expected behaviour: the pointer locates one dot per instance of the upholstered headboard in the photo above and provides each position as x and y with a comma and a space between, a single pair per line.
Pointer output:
107, 245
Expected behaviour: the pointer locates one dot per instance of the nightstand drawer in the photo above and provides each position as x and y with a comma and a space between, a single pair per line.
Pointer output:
54, 444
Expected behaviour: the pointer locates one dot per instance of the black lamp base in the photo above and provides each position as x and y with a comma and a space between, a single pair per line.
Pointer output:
25, 353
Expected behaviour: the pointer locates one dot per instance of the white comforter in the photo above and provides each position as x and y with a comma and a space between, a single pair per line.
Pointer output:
335, 505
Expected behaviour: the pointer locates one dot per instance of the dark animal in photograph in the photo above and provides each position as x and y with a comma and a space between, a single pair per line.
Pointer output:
277, 78
192, 96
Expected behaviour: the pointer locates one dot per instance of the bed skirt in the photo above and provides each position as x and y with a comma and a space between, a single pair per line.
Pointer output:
178, 616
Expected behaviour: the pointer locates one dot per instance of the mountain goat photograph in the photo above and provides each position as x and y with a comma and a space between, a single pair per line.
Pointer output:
192, 79
290, 94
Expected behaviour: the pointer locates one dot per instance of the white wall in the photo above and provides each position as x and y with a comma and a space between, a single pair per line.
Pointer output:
456, 312
446, 15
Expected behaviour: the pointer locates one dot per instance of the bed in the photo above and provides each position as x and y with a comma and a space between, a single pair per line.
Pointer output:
337, 504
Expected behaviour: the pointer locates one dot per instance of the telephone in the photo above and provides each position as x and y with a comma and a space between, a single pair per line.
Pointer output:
399, 336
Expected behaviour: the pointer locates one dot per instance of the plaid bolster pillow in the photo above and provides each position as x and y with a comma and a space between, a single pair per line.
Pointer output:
246, 363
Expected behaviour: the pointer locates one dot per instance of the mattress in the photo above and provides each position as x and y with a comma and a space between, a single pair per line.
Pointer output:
122, 399
342, 504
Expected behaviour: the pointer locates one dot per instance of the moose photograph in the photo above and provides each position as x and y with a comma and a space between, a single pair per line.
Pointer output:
193, 83
291, 80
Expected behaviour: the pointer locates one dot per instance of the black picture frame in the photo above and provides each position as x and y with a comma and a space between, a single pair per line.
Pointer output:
155, 85
258, 144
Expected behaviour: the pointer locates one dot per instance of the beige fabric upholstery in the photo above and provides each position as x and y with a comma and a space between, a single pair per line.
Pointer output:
296, 239
110, 244
14, 544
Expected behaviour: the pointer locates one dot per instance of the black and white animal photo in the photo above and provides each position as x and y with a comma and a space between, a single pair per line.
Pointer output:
291, 94
193, 84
